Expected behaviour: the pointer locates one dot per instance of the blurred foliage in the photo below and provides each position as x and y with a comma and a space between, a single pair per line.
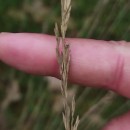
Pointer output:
26, 101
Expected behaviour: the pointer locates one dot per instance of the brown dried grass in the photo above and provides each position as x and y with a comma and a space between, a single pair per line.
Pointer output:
63, 57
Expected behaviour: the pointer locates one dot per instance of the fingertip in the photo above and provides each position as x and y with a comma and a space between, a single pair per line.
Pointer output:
119, 123
32, 53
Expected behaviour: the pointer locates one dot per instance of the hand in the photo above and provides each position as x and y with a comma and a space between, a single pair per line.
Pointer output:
93, 62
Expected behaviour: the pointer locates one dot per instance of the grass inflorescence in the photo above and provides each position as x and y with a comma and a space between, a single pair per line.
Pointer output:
63, 56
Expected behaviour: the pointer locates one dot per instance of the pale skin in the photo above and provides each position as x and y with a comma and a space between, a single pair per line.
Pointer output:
93, 62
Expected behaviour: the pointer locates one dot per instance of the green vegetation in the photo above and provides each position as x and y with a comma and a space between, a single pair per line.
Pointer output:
32, 107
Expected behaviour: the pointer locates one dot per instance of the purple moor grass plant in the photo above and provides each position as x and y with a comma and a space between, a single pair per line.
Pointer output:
63, 57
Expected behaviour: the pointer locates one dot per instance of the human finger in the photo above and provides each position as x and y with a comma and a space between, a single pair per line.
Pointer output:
93, 62
119, 123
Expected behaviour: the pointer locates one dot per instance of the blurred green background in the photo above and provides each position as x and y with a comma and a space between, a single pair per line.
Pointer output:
30, 102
